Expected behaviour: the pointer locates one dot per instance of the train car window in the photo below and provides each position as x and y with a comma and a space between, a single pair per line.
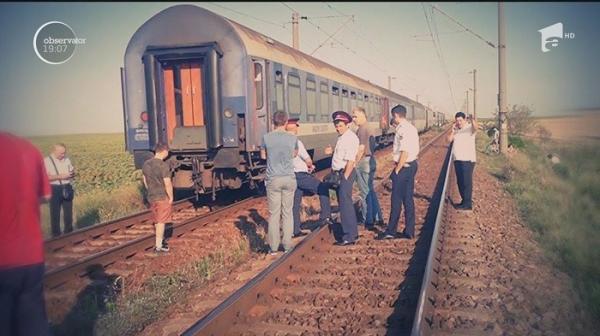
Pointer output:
344, 93
258, 85
311, 99
336, 99
279, 92
345, 102
324, 95
353, 95
294, 96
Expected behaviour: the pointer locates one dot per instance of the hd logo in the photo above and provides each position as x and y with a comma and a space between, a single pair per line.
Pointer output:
552, 34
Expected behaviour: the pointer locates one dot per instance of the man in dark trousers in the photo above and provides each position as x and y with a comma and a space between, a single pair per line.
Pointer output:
463, 134
157, 179
343, 162
303, 167
405, 152
60, 173
24, 184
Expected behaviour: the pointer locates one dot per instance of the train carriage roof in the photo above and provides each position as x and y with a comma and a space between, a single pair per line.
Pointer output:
187, 18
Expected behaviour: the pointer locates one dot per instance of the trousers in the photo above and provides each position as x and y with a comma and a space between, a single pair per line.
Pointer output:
464, 179
403, 186
280, 198
365, 174
306, 183
347, 213
56, 203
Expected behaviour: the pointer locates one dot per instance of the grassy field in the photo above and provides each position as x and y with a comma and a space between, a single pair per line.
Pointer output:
107, 185
560, 203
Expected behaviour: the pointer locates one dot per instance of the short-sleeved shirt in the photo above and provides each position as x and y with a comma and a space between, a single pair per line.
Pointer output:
300, 160
24, 182
346, 149
464, 144
406, 139
280, 147
365, 137
155, 171
63, 166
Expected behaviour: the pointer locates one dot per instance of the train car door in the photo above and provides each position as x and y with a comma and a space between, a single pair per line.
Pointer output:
259, 124
384, 119
183, 96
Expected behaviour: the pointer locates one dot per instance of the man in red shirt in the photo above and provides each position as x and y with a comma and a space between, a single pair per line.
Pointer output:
23, 184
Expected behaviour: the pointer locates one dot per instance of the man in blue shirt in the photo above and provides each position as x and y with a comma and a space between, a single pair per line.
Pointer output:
279, 149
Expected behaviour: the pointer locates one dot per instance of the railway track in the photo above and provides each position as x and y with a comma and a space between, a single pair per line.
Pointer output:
458, 297
372, 287
70, 257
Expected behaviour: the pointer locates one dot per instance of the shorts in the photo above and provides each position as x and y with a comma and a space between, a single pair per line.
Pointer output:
161, 210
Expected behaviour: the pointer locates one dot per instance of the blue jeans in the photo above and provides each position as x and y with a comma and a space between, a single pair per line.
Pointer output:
370, 208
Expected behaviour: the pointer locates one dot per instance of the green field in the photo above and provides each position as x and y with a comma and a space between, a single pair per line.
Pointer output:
107, 185
560, 202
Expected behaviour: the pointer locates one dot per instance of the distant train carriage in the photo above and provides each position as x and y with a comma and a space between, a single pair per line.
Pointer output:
208, 87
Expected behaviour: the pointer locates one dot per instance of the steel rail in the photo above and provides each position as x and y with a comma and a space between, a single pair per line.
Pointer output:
59, 276
240, 302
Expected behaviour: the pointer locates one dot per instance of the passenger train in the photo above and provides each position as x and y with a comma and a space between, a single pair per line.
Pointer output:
208, 87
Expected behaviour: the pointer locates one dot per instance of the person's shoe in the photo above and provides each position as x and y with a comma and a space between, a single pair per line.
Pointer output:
464, 208
326, 221
300, 234
161, 249
273, 253
384, 236
344, 243
371, 227
380, 223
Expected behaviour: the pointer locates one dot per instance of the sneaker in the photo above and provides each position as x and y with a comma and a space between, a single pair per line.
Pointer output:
385, 236
161, 249
463, 207
326, 221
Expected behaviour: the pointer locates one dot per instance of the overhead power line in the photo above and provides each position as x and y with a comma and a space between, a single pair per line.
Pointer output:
280, 25
438, 51
331, 36
463, 26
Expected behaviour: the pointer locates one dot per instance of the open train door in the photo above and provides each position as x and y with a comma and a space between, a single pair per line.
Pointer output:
384, 117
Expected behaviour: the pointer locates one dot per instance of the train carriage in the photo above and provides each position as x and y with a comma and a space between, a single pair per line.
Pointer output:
208, 86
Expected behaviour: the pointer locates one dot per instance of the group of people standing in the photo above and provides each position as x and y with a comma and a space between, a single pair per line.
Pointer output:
289, 169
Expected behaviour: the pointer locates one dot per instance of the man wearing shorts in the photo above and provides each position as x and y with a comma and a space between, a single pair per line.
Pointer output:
157, 179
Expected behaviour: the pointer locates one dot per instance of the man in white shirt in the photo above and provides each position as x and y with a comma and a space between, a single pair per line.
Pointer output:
60, 174
303, 167
463, 134
343, 161
405, 153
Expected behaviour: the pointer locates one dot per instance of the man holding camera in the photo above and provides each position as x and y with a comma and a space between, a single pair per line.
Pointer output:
60, 174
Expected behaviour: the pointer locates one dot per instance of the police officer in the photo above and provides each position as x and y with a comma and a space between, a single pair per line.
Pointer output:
343, 161
303, 167
406, 150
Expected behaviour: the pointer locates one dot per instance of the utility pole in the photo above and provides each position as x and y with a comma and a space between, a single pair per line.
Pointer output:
467, 110
295, 31
390, 82
474, 94
502, 110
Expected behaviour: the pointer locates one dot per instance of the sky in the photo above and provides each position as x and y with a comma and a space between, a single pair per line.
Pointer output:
372, 40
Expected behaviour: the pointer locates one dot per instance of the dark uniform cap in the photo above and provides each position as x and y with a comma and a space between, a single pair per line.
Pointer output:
293, 121
341, 115
399, 109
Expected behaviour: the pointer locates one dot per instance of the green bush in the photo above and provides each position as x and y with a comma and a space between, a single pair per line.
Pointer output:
561, 170
516, 141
